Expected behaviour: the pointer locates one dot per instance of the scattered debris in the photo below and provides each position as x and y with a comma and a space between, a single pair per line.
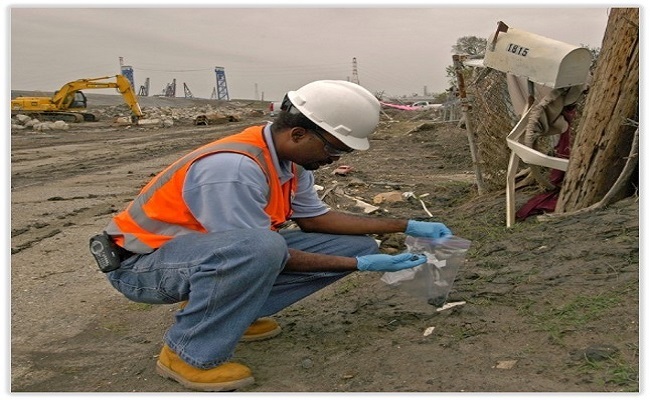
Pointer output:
149, 122
214, 119
596, 352
158, 116
342, 170
51, 126
450, 305
326, 192
388, 197
201, 120
428, 331
123, 121
367, 208
20, 121
506, 364
408, 195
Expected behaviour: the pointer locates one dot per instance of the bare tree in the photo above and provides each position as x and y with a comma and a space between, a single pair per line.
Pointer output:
604, 156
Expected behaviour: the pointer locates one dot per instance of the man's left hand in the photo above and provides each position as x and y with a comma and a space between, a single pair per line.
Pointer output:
434, 230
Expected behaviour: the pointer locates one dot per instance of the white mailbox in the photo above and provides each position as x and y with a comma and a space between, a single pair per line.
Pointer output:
542, 60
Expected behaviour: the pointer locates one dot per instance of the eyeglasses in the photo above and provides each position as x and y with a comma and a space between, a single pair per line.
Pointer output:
330, 149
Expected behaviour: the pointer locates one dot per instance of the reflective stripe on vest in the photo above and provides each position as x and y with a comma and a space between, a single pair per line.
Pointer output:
158, 231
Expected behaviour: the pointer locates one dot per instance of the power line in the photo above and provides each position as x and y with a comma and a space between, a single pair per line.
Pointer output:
173, 70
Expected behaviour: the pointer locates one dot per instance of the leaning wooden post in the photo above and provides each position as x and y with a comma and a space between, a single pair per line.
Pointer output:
468, 122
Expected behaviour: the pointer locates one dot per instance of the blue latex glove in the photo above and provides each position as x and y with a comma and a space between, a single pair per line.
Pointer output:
386, 263
434, 230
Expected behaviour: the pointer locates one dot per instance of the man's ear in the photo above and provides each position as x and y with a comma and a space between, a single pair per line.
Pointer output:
297, 133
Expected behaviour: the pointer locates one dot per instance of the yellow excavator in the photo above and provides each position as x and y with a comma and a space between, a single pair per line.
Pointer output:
69, 103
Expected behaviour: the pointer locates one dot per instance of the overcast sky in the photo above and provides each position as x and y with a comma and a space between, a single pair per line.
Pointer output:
267, 50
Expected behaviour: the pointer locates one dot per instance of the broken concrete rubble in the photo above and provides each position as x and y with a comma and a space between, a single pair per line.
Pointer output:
388, 197
20, 122
164, 117
214, 118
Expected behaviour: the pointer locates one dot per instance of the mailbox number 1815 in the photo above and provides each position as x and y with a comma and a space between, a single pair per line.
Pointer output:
516, 49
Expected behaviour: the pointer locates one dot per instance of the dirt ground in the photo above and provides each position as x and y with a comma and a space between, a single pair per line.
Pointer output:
549, 306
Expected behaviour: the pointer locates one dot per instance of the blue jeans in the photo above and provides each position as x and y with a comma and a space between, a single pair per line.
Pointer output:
230, 279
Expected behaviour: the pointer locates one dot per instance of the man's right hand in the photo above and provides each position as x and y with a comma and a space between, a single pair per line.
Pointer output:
386, 263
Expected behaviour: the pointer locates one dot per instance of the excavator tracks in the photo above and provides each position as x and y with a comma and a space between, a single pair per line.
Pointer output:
70, 117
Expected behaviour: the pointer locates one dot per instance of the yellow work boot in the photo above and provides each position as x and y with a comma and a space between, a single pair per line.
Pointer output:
262, 328
225, 377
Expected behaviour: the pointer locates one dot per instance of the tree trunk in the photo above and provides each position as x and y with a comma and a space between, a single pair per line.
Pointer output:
606, 131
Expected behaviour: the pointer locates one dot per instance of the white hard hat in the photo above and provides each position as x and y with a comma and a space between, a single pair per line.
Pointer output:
344, 109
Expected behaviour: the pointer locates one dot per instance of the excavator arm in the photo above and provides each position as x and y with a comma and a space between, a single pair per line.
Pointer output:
127, 92
64, 97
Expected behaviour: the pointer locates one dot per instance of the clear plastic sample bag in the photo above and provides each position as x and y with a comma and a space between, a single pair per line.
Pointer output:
432, 280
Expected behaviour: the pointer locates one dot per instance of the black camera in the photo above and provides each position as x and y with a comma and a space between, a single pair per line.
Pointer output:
105, 252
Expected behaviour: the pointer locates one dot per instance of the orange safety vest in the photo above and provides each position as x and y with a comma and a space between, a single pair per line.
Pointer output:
159, 212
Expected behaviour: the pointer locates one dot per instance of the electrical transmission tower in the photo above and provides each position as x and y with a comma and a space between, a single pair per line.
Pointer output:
222, 86
144, 89
355, 72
